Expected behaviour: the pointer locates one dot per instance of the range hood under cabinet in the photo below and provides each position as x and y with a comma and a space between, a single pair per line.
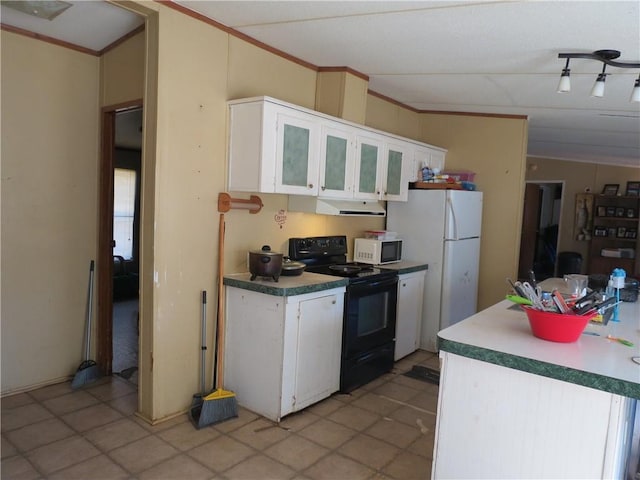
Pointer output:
277, 147
326, 206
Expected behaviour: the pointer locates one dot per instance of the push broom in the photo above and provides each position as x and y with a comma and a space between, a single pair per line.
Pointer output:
196, 403
88, 370
219, 405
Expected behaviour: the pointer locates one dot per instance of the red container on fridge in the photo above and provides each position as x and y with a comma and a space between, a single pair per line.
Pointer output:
557, 327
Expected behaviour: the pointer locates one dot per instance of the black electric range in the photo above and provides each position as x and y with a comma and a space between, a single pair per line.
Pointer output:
328, 256
369, 321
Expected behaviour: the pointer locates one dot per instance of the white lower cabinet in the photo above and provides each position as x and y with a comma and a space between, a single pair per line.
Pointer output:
282, 353
409, 313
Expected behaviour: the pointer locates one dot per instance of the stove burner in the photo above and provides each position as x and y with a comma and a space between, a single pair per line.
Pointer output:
345, 270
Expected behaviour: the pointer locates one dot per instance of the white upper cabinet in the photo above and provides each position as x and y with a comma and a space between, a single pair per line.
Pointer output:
276, 147
272, 149
429, 156
337, 161
382, 168
296, 154
369, 150
396, 174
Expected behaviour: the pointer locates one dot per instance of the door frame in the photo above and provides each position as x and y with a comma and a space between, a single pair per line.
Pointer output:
104, 277
560, 216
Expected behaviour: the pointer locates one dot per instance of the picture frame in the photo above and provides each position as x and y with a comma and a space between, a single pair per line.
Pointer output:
610, 189
622, 232
611, 232
611, 211
599, 231
631, 233
602, 211
631, 213
633, 189
620, 212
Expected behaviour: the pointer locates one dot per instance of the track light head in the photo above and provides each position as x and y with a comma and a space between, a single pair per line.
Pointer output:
598, 86
635, 93
565, 82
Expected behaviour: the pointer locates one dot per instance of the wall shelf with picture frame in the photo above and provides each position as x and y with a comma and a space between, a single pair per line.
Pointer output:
615, 225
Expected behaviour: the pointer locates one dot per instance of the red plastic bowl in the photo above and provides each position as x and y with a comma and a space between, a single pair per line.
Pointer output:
556, 327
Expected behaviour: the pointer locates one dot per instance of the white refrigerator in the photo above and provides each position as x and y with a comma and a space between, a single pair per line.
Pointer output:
442, 229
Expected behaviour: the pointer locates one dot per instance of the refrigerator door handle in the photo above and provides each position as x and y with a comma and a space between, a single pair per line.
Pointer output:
454, 222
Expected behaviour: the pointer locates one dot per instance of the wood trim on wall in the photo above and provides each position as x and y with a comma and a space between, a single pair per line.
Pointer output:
104, 350
44, 38
122, 39
104, 339
237, 34
346, 70
445, 112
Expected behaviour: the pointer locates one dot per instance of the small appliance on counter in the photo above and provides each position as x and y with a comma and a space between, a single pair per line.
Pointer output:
377, 252
265, 263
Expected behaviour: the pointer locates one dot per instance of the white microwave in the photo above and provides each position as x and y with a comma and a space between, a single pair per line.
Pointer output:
377, 252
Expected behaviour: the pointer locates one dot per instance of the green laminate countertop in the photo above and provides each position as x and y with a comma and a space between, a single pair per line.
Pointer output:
286, 286
501, 335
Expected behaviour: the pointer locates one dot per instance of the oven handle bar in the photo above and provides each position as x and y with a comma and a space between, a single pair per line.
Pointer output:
372, 287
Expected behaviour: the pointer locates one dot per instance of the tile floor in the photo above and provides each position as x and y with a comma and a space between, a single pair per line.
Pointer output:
383, 430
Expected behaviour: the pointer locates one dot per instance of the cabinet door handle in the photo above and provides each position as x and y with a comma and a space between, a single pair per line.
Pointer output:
404, 284
311, 185
322, 188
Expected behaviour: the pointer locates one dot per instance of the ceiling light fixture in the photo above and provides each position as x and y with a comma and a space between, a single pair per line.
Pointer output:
607, 57
47, 10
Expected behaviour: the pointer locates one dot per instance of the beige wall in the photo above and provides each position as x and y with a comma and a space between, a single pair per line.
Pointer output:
577, 177
123, 72
183, 173
495, 149
50, 117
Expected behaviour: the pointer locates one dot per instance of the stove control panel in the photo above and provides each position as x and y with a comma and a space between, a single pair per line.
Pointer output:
317, 247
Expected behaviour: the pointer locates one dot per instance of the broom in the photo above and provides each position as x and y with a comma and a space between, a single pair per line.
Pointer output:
219, 405
88, 370
196, 402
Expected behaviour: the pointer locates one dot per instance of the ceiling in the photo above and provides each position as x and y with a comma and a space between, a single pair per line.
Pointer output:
497, 57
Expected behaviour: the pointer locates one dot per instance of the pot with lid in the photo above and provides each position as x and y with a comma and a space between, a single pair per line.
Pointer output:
292, 268
265, 263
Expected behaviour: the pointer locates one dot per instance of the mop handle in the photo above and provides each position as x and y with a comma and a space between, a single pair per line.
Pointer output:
203, 348
87, 347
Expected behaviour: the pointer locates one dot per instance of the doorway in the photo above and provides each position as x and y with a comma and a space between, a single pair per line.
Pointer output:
127, 162
119, 240
540, 229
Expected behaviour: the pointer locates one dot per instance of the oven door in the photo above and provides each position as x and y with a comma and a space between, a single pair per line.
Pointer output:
370, 315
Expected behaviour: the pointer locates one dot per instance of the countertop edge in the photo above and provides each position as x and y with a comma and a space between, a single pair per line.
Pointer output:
406, 267
544, 369
284, 291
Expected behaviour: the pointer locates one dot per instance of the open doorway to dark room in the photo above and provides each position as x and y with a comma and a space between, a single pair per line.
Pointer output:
540, 224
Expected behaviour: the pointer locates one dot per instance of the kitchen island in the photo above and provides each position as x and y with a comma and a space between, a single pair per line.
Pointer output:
514, 406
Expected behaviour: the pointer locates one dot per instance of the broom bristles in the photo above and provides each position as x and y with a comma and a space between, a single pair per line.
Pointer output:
217, 407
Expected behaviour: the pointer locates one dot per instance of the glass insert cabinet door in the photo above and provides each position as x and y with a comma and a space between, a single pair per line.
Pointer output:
397, 164
337, 157
296, 155
369, 152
